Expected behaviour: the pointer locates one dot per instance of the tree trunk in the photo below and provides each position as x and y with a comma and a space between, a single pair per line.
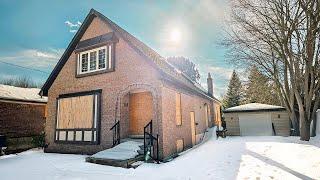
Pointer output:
314, 126
304, 129
295, 124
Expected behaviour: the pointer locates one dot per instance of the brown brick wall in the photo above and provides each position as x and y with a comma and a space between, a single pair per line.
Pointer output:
21, 120
173, 132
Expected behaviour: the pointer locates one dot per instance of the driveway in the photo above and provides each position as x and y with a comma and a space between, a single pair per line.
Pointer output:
229, 158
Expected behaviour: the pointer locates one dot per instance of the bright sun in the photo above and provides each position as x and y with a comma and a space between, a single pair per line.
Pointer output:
175, 36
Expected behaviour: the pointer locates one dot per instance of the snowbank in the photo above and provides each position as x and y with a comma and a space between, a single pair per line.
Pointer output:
17, 93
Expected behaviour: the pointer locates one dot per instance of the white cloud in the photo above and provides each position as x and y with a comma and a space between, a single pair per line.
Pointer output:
73, 27
225, 73
210, 11
34, 58
220, 72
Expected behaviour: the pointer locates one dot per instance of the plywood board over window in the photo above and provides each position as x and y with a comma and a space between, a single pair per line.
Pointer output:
206, 115
76, 112
178, 109
77, 117
180, 145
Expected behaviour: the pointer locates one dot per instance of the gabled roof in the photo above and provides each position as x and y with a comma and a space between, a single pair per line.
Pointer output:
136, 44
254, 107
96, 41
11, 93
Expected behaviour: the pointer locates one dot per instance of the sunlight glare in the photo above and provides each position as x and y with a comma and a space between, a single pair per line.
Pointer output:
175, 35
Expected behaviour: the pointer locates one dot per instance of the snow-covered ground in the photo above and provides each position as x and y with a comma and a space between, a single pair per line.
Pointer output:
230, 158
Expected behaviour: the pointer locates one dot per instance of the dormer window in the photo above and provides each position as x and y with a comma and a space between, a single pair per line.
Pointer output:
95, 60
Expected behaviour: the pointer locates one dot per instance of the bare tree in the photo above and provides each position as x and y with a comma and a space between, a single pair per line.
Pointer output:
186, 66
23, 81
281, 37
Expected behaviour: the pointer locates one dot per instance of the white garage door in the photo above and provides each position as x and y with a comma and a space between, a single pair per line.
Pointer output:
255, 124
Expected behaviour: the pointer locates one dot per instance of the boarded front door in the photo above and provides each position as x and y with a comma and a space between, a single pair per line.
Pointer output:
141, 111
193, 127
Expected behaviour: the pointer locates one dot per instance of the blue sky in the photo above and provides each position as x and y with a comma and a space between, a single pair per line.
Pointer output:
35, 33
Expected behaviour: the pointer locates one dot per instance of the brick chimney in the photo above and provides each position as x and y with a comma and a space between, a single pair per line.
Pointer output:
210, 85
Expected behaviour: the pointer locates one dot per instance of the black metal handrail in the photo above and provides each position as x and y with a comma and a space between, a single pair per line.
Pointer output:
150, 143
116, 133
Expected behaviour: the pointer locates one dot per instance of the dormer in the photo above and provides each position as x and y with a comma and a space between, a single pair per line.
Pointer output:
96, 55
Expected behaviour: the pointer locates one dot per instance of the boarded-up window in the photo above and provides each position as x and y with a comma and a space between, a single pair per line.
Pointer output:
77, 117
180, 145
75, 112
178, 109
206, 117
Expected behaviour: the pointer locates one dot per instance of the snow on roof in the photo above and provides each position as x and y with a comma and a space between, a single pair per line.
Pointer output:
23, 94
253, 107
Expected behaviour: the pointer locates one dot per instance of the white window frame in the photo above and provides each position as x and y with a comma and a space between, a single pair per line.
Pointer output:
108, 62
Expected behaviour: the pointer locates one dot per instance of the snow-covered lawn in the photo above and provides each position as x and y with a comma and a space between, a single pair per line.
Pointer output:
230, 158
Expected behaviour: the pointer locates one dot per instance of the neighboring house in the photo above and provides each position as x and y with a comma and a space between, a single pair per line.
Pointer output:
256, 119
22, 117
106, 75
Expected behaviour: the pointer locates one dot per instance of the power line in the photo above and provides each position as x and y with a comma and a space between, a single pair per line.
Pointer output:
29, 68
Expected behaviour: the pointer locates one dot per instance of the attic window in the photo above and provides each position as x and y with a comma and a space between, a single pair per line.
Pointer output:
94, 60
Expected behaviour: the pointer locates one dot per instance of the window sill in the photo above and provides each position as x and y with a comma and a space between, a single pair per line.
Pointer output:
77, 142
94, 73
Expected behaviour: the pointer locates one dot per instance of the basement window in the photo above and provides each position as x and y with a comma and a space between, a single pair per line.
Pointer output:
95, 60
180, 145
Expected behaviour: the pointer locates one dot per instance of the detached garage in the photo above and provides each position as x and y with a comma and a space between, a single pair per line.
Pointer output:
257, 119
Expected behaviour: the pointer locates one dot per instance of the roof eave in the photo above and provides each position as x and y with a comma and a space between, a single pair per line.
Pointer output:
254, 110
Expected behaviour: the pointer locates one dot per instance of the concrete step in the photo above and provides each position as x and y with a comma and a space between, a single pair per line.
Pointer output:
130, 139
122, 155
136, 136
116, 163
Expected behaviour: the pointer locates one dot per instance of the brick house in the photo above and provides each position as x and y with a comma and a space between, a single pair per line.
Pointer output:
106, 76
23, 114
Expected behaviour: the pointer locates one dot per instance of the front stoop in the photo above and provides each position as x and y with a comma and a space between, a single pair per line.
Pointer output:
126, 155
128, 163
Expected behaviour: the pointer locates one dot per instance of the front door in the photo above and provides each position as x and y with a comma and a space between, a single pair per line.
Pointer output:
140, 111
193, 127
